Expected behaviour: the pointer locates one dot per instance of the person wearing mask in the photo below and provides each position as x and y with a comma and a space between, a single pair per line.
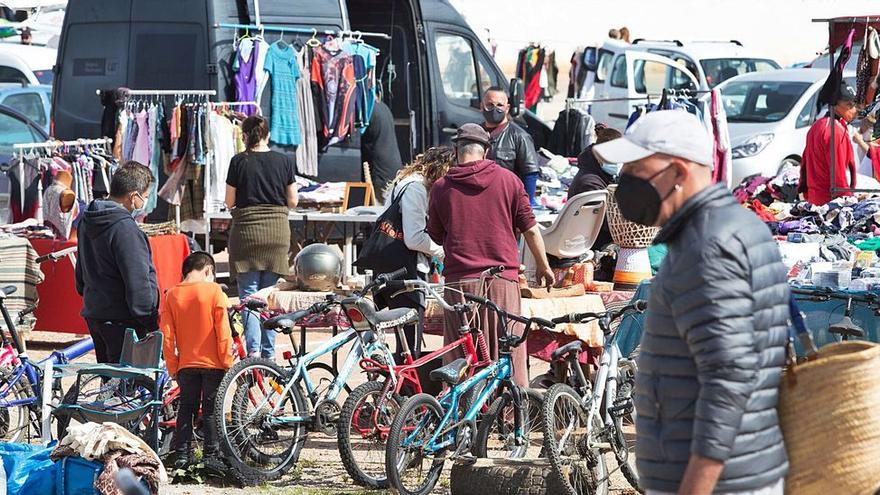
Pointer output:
379, 148
595, 176
260, 191
866, 147
198, 350
816, 163
476, 212
713, 347
411, 187
511, 146
114, 271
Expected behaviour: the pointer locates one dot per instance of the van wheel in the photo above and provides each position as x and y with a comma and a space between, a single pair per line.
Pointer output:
505, 476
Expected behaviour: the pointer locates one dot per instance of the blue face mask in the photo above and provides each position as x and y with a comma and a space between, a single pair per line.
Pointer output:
612, 169
139, 212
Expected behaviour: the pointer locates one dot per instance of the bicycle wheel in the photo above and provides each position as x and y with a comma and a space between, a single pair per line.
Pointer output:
257, 443
363, 428
623, 438
411, 468
570, 443
322, 375
15, 421
496, 435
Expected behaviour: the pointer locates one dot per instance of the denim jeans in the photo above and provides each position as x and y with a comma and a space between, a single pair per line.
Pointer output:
256, 339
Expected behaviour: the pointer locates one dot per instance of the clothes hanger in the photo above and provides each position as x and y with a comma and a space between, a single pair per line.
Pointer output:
313, 41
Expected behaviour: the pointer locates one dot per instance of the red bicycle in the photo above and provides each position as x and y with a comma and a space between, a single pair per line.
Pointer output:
367, 414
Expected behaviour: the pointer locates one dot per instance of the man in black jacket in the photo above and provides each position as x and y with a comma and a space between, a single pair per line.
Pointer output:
114, 269
717, 324
511, 146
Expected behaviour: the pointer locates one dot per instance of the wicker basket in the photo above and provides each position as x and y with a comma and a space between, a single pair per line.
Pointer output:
625, 233
829, 410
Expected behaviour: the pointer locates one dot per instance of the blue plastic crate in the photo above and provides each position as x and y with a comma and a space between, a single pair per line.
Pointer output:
77, 476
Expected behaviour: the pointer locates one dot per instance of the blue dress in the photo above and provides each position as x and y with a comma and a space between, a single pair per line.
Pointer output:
283, 69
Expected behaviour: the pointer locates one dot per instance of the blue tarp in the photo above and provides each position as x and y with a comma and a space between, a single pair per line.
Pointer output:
29, 471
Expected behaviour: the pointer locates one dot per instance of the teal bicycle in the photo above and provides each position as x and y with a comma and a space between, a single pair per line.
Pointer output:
265, 411
427, 431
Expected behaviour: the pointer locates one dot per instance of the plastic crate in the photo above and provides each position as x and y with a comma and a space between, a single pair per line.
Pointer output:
77, 476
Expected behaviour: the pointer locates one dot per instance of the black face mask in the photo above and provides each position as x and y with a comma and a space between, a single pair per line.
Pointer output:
638, 199
494, 115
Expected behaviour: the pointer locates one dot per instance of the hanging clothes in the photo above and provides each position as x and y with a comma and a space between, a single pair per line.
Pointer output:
245, 68
284, 70
863, 72
333, 87
221, 135
552, 72
872, 48
722, 156
830, 90
307, 152
529, 64
364, 60
574, 130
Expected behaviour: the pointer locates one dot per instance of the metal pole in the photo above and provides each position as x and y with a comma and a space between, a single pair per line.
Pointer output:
257, 11
832, 119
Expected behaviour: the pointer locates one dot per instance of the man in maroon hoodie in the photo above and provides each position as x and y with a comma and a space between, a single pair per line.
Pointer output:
476, 213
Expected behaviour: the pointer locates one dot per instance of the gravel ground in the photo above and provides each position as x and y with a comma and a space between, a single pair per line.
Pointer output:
319, 471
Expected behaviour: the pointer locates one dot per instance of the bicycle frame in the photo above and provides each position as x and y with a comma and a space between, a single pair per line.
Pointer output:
494, 375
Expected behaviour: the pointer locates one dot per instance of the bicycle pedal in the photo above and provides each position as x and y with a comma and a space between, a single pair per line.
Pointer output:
622, 407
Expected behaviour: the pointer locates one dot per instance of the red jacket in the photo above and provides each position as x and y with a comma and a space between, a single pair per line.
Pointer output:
474, 212
815, 169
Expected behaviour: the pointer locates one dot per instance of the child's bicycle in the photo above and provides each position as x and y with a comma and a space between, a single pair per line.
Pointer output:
425, 432
264, 411
369, 410
21, 380
583, 420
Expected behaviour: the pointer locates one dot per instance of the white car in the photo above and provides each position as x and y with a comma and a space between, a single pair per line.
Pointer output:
769, 115
26, 65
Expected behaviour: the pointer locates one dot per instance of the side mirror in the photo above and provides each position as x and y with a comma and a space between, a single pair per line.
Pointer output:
591, 58
516, 97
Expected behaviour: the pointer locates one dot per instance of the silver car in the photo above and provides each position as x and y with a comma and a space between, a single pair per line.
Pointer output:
768, 115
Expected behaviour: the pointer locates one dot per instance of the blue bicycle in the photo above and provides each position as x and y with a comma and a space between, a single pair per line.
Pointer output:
265, 411
425, 430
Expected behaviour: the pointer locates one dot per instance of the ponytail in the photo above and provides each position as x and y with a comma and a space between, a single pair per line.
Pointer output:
254, 130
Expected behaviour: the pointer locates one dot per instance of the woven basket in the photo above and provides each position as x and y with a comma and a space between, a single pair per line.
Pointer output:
829, 410
625, 233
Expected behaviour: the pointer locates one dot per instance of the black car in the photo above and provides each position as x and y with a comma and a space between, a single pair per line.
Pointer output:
14, 128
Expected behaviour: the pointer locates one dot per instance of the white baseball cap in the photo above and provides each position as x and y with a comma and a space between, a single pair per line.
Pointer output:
671, 132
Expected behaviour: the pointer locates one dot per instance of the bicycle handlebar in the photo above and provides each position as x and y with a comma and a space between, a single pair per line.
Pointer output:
57, 255
639, 306
825, 294
528, 322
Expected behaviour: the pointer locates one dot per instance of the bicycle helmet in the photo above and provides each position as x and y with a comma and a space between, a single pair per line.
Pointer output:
318, 267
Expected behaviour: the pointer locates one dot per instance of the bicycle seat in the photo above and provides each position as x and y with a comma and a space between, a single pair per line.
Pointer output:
846, 328
574, 346
390, 318
452, 373
7, 290
285, 321
256, 304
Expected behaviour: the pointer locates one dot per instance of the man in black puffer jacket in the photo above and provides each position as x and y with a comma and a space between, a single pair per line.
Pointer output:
713, 349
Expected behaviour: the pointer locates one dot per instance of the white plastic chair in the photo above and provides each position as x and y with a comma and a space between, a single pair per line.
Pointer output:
575, 229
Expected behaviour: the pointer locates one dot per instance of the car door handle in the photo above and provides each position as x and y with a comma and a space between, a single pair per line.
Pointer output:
450, 130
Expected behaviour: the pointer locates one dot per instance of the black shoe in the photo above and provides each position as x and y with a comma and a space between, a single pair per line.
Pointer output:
183, 460
215, 466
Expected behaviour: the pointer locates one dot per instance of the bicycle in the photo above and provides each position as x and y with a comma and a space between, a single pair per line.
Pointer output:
369, 410
583, 420
425, 428
268, 417
21, 380
846, 328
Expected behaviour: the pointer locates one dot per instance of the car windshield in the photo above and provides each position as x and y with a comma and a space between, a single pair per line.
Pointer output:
45, 76
822, 61
719, 70
761, 101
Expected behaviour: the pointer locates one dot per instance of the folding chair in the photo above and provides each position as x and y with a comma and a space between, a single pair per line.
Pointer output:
129, 393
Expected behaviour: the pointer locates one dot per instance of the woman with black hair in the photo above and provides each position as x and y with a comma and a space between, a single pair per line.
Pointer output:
260, 191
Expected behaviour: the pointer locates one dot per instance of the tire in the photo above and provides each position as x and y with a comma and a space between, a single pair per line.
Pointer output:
425, 411
243, 434
15, 421
576, 466
623, 425
505, 477
495, 433
359, 407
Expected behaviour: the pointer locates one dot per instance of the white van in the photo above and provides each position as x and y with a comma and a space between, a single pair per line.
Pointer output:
26, 65
634, 74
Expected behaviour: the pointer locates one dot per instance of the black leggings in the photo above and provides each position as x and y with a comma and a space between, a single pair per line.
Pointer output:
196, 384
108, 337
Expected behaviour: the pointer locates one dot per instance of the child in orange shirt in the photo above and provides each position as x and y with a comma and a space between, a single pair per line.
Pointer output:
198, 351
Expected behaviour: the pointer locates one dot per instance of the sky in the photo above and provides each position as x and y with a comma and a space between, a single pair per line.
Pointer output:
781, 27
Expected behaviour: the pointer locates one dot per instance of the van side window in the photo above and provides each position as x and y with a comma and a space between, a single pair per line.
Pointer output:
28, 104
808, 113
12, 75
456, 60
618, 75
488, 77
602, 68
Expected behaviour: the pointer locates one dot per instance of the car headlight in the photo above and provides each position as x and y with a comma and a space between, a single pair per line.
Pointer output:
753, 146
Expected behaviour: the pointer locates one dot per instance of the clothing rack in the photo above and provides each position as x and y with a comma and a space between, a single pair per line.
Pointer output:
169, 92
312, 31
61, 144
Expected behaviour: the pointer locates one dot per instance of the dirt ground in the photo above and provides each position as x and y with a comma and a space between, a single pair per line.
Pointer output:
319, 471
